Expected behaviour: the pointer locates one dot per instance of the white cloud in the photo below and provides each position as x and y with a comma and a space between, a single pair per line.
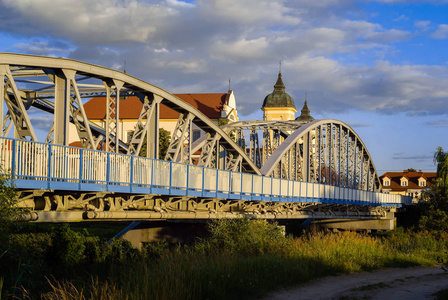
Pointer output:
266, 12
441, 32
98, 21
422, 24
198, 46
43, 123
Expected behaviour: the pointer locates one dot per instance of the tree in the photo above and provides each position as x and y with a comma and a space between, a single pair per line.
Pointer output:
435, 206
164, 143
441, 158
412, 170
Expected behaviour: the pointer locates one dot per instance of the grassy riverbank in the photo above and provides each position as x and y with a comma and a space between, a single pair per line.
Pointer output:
240, 259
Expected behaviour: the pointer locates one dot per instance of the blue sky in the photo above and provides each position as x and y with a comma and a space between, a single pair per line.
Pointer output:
380, 66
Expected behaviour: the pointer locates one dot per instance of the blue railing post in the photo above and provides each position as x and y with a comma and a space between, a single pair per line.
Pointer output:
292, 191
203, 181
188, 179
80, 167
50, 158
131, 177
229, 189
217, 182
107, 168
13, 162
152, 174
171, 175
252, 189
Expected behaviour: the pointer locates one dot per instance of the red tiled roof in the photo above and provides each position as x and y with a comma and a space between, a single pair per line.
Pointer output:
210, 105
395, 183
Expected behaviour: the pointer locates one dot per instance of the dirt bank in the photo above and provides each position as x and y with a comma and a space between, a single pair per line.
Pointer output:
409, 284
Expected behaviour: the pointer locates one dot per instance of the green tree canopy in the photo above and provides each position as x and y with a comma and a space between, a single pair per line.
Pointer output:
435, 215
164, 143
441, 159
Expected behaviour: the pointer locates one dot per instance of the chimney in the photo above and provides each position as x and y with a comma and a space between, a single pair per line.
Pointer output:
405, 171
420, 171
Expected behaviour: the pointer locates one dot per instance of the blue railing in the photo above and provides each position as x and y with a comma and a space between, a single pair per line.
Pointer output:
36, 165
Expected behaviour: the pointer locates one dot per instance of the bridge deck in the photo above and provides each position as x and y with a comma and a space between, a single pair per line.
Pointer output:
36, 165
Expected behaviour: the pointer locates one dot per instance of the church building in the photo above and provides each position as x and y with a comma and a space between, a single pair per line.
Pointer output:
279, 106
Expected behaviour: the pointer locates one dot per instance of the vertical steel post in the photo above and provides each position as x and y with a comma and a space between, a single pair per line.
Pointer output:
61, 108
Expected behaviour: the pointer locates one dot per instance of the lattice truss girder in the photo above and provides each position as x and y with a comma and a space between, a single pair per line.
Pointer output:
209, 152
148, 116
329, 153
59, 86
68, 97
179, 149
17, 111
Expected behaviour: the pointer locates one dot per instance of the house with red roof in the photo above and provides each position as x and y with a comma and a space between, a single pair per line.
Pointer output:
407, 183
215, 106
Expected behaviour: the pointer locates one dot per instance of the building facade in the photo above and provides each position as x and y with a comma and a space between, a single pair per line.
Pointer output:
407, 183
216, 106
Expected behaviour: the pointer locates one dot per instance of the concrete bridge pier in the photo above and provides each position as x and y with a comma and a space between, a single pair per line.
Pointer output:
173, 232
387, 223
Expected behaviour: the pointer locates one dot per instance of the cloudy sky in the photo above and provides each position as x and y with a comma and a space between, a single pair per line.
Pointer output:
380, 66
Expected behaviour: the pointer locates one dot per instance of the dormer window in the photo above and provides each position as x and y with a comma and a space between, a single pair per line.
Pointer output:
386, 183
404, 181
422, 183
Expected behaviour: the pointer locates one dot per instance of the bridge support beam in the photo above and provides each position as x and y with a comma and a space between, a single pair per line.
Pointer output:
387, 223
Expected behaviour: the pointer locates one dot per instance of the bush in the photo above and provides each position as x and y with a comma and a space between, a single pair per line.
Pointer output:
67, 246
247, 237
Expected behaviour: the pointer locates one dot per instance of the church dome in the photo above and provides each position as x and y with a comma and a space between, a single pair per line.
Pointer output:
279, 98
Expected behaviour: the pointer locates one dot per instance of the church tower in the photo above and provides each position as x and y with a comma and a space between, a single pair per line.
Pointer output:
278, 106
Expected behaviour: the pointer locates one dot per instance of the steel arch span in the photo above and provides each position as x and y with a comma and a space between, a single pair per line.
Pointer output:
58, 86
324, 151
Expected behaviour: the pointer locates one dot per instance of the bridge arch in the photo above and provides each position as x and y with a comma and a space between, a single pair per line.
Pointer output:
324, 151
62, 96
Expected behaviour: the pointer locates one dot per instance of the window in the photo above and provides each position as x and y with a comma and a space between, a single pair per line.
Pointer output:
404, 183
196, 134
422, 183
386, 182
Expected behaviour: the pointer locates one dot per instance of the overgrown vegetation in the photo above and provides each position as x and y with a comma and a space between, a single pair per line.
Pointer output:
240, 259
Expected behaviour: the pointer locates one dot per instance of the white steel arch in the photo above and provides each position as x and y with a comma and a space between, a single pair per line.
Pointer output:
58, 85
324, 151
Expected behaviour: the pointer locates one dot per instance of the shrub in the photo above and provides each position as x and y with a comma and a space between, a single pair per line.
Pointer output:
247, 237
67, 246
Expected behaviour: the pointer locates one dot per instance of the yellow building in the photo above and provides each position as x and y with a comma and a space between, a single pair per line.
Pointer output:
216, 106
407, 183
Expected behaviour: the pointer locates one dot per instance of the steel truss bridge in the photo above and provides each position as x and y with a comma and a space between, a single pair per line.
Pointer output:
259, 169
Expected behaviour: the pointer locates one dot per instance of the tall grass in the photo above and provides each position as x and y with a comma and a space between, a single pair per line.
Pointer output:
240, 259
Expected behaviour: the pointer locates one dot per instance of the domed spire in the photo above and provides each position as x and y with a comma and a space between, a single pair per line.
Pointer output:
279, 87
305, 113
279, 98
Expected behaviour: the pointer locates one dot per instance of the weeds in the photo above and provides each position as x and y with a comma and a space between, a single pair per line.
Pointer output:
240, 259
